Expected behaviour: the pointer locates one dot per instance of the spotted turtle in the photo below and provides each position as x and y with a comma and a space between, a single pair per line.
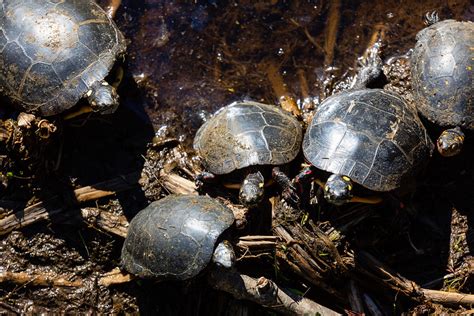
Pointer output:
442, 66
245, 136
54, 53
176, 237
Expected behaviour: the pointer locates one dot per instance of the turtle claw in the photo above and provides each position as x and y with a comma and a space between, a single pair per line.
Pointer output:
431, 18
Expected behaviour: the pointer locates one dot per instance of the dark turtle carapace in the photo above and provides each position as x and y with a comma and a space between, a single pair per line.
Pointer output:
442, 67
57, 52
368, 136
245, 136
176, 237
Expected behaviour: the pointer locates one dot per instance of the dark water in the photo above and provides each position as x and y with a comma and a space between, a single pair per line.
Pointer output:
191, 58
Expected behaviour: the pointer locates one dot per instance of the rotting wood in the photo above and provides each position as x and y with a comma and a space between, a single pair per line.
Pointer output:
266, 293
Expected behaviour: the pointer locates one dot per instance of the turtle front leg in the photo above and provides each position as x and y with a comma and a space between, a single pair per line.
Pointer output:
204, 177
289, 191
252, 189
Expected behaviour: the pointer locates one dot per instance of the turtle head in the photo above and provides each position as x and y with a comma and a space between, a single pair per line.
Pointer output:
450, 142
252, 189
224, 255
103, 97
338, 189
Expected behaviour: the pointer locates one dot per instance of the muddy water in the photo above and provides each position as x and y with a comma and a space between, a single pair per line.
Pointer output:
191, 59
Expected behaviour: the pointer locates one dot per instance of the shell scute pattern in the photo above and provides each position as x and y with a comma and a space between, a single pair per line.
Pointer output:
246, 134
54, 51
175, 237
442, 66
371, 136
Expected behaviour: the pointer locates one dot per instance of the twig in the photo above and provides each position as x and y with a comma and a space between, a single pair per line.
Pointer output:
114, 277
448, 297
287, 102
266, 293
110, 278
112, 7
331, 31
37, 279
262, 291
410, 288
115, 224
47, 209
304, 265
176, 184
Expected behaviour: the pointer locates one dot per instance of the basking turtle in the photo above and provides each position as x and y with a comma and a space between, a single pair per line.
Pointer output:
244, 136
369, 136
57, 52
175, 238
442, 66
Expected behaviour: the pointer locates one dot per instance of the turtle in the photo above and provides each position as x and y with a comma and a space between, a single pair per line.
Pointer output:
176, 237
441, 70
372, 137
246, 136
54, 53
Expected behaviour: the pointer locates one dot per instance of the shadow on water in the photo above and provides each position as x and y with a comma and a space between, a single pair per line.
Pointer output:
104, 147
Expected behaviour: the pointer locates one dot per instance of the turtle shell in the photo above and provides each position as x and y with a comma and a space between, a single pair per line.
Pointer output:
442, 66
174, 238
53, 51
370, 135
245, 134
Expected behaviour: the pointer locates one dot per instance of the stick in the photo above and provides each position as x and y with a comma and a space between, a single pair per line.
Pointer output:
177, 184
47, 209
331, 31
286, 101
410, 288
448, 297
22, 278
36, 279
115, 224
266, 293
112, 7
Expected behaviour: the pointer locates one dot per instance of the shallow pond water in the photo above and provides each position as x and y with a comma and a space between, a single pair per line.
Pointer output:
191, 58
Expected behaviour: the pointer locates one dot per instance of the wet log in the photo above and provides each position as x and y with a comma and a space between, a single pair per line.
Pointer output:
265, 292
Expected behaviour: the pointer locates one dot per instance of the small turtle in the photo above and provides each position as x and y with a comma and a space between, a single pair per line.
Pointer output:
369, 136
56, 52
442, 66
245, 136
175, 238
